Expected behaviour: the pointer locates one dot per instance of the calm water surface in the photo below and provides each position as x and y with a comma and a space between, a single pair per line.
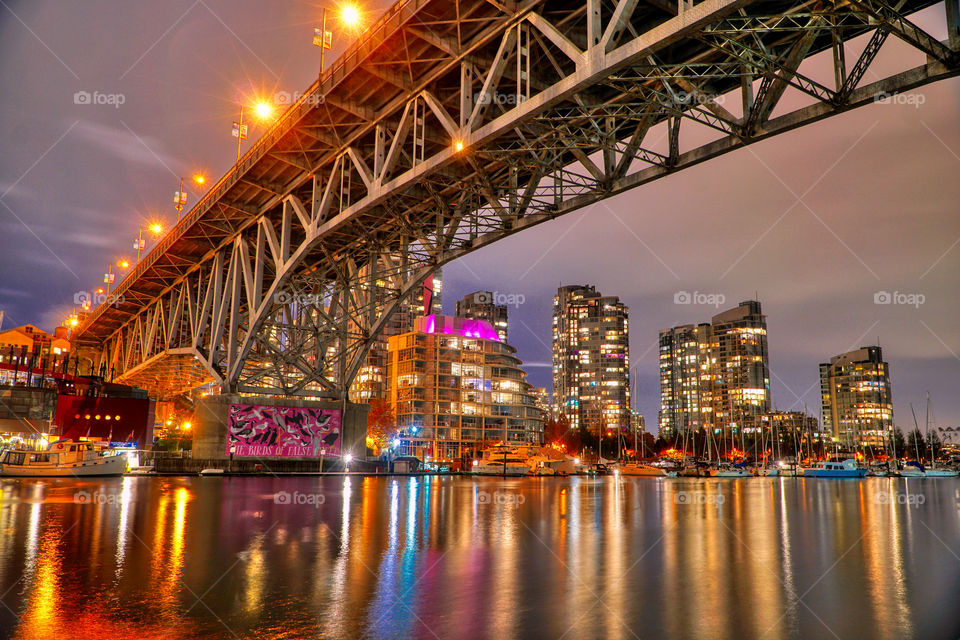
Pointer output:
612, 558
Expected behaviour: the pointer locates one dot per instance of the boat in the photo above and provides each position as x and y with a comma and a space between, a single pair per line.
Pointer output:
640, 469
64, 458
732, 472
917, 470
502, 460
830, 469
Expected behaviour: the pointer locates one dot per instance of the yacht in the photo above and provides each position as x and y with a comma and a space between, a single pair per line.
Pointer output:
828, 469
502, 460
640, 469
64, 458
916, 470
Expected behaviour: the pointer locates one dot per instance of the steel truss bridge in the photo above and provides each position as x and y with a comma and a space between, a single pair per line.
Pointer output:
449, 125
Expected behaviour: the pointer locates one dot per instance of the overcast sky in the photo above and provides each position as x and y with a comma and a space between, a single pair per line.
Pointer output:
814, 222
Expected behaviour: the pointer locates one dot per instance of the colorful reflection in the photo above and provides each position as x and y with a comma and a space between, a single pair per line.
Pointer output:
418, 557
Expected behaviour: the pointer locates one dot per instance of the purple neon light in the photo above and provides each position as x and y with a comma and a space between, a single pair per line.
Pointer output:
451, 325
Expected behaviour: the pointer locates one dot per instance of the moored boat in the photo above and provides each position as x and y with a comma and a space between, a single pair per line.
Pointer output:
831, 469
640, 469
64, 458
502, 460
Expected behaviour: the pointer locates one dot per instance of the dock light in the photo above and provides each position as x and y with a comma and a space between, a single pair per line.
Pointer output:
476, 463
396, 442
187, 425
348, 458
576, 461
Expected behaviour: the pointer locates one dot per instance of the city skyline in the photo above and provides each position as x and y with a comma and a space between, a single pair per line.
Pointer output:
782, 220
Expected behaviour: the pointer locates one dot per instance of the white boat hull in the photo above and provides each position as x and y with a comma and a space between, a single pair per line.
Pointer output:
642, 470
105, 466
497, 470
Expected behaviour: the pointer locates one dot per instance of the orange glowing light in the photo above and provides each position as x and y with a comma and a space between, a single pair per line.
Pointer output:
350, 15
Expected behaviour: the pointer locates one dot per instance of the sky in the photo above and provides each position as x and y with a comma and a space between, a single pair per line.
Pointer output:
814, 223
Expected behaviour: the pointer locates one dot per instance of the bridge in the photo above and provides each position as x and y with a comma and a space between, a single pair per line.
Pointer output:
449, 125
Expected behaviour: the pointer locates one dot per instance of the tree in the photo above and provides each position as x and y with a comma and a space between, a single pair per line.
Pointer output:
934, 444
381, 424
915, 445
899, 443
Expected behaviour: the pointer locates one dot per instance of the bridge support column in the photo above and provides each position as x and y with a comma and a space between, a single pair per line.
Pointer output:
953, 23
211, 426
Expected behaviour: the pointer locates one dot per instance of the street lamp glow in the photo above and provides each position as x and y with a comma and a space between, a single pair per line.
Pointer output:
123, 264
350, 15
459, 145
199, 178
156, 228
263, 110
348, 458
74, 321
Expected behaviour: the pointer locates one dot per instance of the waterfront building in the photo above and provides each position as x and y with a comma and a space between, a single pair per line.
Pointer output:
481, 305
371, 379
857, 398
591, 363
456, 388
715, 376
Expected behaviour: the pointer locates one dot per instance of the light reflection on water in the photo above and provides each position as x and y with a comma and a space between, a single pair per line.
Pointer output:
406, 557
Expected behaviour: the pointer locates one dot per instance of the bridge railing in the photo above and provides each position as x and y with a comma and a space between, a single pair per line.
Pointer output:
349, 60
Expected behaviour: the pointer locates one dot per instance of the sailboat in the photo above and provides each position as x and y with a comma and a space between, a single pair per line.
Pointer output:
917, 470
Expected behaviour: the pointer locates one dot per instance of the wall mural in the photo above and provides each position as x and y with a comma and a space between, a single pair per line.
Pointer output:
288, 432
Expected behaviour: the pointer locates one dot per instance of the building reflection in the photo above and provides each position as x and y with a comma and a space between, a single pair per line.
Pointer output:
475, 558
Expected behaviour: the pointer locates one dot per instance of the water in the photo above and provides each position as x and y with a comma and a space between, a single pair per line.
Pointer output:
400, 557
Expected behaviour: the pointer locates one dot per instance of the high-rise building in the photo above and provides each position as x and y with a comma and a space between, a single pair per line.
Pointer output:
857, 398
371, 379
715, 376
685, 380
480, 305
591, 362
456, 388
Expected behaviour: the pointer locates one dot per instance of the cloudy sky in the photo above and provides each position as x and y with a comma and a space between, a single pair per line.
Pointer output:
815, 222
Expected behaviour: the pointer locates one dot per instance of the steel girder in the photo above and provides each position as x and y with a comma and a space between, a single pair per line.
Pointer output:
452, 125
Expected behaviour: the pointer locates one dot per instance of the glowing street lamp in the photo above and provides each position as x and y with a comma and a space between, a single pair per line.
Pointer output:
350, 18
139, 243
123, 263
263, 110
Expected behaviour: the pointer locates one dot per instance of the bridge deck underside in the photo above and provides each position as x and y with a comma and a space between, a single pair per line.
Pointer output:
167, 375
282, 277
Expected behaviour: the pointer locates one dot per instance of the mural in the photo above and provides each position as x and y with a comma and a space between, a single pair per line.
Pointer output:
288, 432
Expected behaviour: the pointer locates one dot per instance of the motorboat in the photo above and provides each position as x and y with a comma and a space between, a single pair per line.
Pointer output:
64, 458
502, 460
641, 469
916, 470
732, 472
835, 469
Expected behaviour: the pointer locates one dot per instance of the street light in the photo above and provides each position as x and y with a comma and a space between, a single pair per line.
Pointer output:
262, 110
139, 243
180, 197
350, 17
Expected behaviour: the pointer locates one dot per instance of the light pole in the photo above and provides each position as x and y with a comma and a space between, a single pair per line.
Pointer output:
139, 242
263, 110
180, 196
349, 17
